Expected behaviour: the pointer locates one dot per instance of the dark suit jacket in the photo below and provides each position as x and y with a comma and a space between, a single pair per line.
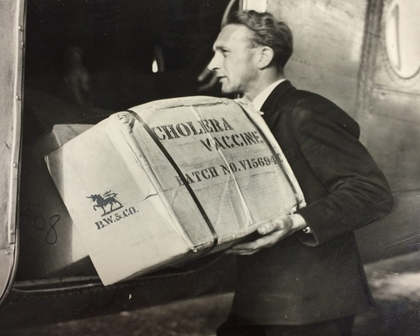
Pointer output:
309, 278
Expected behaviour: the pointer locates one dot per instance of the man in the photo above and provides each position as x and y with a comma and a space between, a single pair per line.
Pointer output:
304, 275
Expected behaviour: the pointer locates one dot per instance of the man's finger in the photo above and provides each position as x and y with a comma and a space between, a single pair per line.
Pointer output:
245, 246
269, 227
240, 252
274, 224
260, 243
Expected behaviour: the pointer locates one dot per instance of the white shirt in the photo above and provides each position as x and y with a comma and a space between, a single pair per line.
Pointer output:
259, 100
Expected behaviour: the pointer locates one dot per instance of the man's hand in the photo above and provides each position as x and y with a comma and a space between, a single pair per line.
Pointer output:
274, 230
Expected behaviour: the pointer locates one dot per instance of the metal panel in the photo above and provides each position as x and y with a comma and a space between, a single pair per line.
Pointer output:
394, 137
51, 301
328, 38
389, 112
400, 35
390, 102
11, 32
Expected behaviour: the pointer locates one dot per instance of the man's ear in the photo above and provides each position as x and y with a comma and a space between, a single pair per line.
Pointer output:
266, 56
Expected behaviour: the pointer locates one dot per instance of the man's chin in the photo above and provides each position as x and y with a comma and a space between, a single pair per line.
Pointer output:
227, 90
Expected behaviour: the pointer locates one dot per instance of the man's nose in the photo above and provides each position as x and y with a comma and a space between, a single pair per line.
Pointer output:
214, 63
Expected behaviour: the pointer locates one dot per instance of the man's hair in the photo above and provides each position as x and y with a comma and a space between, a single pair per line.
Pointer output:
267, 32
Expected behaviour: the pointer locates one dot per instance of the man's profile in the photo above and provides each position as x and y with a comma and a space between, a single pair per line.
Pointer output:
304, 275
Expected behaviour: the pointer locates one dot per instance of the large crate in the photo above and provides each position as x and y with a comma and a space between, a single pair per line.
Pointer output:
171, 180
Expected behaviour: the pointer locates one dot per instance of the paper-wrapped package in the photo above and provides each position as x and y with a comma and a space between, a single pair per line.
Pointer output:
50, 243
170, 180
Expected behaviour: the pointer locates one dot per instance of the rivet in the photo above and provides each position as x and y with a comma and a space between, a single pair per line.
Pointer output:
15, 165
18, 98
12, 231
21, 28
7, 252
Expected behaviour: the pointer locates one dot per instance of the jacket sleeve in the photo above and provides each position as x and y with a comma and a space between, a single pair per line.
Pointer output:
358, 191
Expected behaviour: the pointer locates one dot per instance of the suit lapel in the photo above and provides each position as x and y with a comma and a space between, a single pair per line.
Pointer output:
277, 98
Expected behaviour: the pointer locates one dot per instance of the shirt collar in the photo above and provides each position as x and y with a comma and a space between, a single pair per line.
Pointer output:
263, 95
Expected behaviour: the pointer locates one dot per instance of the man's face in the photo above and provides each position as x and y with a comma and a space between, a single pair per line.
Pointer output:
234, 61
